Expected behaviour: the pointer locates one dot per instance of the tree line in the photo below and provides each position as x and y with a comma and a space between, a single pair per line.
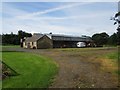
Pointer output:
103, 38
99, 39
14, 39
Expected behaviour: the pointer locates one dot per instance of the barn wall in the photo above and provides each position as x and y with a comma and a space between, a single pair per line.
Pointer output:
64, 44
44, 42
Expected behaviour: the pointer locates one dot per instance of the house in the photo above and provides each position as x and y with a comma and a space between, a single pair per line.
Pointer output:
54, 41
37, 41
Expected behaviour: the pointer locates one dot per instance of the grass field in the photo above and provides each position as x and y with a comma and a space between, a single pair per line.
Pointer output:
114, 57
9, 46
35, 71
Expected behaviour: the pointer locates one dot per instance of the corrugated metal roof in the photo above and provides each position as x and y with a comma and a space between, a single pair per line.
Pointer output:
69, 38
58, 37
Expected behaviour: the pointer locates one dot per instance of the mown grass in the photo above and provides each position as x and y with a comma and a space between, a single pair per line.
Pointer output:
9, 46
35, 71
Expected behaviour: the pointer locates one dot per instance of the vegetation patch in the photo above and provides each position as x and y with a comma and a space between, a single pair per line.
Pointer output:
115, 58
35, 71
111, 60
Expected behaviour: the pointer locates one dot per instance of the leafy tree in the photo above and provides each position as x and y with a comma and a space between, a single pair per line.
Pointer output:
100, 39
113, 39
10, 39
22, 34
116, 18
14, 38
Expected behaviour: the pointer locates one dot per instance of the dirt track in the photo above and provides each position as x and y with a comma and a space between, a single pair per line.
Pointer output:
78, 68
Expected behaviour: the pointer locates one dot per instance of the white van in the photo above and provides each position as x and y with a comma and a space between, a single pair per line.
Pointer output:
81, 44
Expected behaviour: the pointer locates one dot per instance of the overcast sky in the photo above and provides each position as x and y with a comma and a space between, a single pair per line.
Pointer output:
80, 18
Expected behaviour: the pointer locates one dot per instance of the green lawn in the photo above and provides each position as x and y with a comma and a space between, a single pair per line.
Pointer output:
35, 71
9, 46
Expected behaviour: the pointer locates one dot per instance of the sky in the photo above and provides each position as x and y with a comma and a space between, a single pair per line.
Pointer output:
70, 18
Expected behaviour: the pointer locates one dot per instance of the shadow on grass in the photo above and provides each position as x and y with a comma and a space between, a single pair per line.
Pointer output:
7, 71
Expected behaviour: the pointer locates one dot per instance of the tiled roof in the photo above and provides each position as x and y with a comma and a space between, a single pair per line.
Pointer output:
34, 38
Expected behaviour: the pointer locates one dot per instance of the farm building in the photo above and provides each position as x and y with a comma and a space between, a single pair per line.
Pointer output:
54, 41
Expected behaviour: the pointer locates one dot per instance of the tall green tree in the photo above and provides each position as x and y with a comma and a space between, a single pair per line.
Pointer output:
14, 38
10, 39
22, 34
113, 39
100, 39
116, 18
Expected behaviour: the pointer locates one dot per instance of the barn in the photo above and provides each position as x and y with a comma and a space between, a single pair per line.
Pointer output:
38, 41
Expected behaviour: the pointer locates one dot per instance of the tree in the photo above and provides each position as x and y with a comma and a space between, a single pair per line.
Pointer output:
113, 39
14, 38
10, 39
100, 39
22, 34
116, 18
